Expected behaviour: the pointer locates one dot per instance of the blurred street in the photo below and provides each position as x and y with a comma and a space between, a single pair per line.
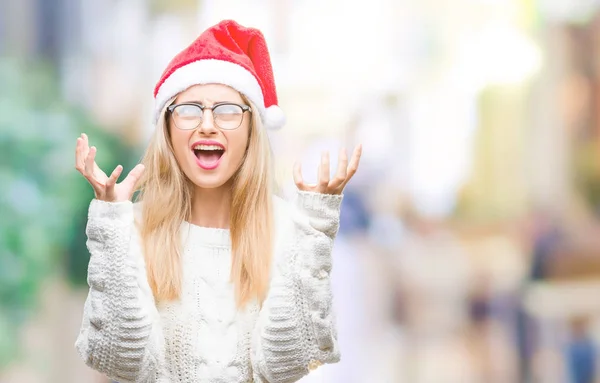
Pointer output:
469, 248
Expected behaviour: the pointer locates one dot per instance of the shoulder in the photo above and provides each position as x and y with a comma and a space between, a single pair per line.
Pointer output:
283, 216
137, 211
281, 205
137, 219
283, 210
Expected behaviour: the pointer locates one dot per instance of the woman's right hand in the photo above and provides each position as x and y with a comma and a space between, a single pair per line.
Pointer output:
105, 188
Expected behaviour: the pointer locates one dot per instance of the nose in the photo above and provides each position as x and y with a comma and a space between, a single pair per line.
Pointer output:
207, 125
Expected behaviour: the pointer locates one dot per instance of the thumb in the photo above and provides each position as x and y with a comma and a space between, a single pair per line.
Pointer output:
133, 177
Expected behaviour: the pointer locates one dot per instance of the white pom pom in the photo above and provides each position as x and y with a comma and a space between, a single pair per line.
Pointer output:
274, 118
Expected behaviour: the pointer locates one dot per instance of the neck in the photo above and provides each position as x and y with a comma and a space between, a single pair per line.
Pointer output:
211, 207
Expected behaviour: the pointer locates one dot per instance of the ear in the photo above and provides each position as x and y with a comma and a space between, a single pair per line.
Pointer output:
251, 132
166, 115
167, 126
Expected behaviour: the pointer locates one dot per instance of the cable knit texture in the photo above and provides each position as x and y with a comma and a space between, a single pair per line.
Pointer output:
203, 337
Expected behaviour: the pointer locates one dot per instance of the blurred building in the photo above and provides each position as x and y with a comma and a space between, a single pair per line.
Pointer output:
475, 116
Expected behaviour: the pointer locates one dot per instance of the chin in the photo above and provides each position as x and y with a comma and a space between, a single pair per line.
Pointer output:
210, 181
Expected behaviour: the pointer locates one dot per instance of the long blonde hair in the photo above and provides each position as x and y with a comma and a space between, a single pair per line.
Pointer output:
166, 196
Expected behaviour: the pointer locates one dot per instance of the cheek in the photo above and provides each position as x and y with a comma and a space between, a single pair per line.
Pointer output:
179, 140
237, 146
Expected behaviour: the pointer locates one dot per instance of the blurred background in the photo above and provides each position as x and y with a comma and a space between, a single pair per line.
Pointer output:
470, 243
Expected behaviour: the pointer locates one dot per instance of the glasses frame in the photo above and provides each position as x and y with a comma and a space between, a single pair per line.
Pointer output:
245, 108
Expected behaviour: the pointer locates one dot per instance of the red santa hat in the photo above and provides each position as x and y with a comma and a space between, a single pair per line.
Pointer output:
229, 54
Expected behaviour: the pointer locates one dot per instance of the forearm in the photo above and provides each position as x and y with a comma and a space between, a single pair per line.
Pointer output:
118, 337
296, 330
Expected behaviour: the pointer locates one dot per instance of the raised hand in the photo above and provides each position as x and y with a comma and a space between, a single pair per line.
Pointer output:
105, 188
343, 175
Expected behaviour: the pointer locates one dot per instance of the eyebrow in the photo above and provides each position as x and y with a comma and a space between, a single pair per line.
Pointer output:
214, 103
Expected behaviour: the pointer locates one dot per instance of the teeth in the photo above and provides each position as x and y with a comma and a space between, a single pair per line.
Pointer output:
207, 147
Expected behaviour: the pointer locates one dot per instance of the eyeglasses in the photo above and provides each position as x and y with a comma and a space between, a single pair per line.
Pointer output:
226, 115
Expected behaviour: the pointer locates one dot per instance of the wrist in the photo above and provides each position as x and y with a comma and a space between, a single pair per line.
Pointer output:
318, 202
101, 209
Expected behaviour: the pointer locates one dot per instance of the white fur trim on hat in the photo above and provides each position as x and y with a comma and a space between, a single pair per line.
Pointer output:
210, 72
274, 118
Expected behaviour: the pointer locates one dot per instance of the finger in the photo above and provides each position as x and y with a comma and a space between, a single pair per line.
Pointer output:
133, 177
79, 162
353, 166
85, 149
340, 175
297, 173
324, 171
89, 161
112, 180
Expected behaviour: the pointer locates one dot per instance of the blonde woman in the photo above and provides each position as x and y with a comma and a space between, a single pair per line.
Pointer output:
209, 277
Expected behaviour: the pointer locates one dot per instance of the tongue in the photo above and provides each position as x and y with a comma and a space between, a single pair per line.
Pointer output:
208, 156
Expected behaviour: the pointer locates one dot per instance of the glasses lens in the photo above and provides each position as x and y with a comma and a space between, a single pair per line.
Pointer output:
228, 116
187, 117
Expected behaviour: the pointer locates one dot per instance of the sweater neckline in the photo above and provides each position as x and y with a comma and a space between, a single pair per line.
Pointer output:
210, 236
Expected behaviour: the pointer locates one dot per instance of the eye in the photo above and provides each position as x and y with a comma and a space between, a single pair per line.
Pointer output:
228, 110
188, 111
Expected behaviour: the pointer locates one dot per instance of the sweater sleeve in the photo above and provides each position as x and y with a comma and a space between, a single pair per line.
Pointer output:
295, 331
120, 334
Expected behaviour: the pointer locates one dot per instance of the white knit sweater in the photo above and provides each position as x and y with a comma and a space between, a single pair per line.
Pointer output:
202, 337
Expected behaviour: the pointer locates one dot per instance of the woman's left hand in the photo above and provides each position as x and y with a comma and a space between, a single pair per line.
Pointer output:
343, 175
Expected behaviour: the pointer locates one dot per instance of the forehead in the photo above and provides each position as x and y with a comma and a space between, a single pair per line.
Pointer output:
209, 94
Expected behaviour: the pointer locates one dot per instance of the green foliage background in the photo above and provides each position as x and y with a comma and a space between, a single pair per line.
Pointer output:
43, 200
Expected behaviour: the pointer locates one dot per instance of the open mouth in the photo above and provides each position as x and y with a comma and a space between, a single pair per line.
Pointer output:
208, 155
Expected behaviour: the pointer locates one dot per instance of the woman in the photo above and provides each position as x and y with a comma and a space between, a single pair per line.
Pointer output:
209, 277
